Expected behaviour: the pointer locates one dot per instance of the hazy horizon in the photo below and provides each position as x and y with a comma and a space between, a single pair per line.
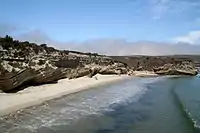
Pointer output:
115, 27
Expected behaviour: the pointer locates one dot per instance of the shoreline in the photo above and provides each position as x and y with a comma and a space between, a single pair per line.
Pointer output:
35, 95
144, 74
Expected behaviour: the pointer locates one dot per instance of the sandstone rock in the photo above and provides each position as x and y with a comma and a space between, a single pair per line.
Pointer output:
80, 72
11, 81
185, 68
48, 76
176, 72
109, 71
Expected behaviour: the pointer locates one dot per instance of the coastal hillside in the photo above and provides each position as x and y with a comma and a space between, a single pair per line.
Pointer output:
148, 62
162, 64
25, 63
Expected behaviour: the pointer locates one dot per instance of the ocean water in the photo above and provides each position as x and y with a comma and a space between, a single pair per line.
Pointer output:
137, 105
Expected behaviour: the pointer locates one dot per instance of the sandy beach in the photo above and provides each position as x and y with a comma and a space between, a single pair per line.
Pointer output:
35, 95
144, 74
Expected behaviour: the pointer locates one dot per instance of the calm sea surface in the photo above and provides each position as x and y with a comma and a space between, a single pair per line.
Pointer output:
137, 105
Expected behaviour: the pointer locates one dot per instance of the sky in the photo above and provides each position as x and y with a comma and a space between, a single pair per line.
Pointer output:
117, 27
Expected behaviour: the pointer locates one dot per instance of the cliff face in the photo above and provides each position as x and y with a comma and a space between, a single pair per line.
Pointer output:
27, 63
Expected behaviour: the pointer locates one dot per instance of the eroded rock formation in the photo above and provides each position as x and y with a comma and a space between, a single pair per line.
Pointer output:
23, 63
161, 65
27, 63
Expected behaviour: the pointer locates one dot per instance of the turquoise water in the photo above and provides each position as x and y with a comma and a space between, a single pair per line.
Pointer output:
138, 105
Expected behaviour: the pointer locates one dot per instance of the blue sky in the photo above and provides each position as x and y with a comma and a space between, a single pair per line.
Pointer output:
80, 20
66, 20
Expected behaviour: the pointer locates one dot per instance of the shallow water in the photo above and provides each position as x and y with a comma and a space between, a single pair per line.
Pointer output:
138, 105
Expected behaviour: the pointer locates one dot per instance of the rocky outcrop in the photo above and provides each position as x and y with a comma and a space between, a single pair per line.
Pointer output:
118, 69
185, 68
162, 65
24, 63
176, 72
11, 80
79, 72
33, 73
